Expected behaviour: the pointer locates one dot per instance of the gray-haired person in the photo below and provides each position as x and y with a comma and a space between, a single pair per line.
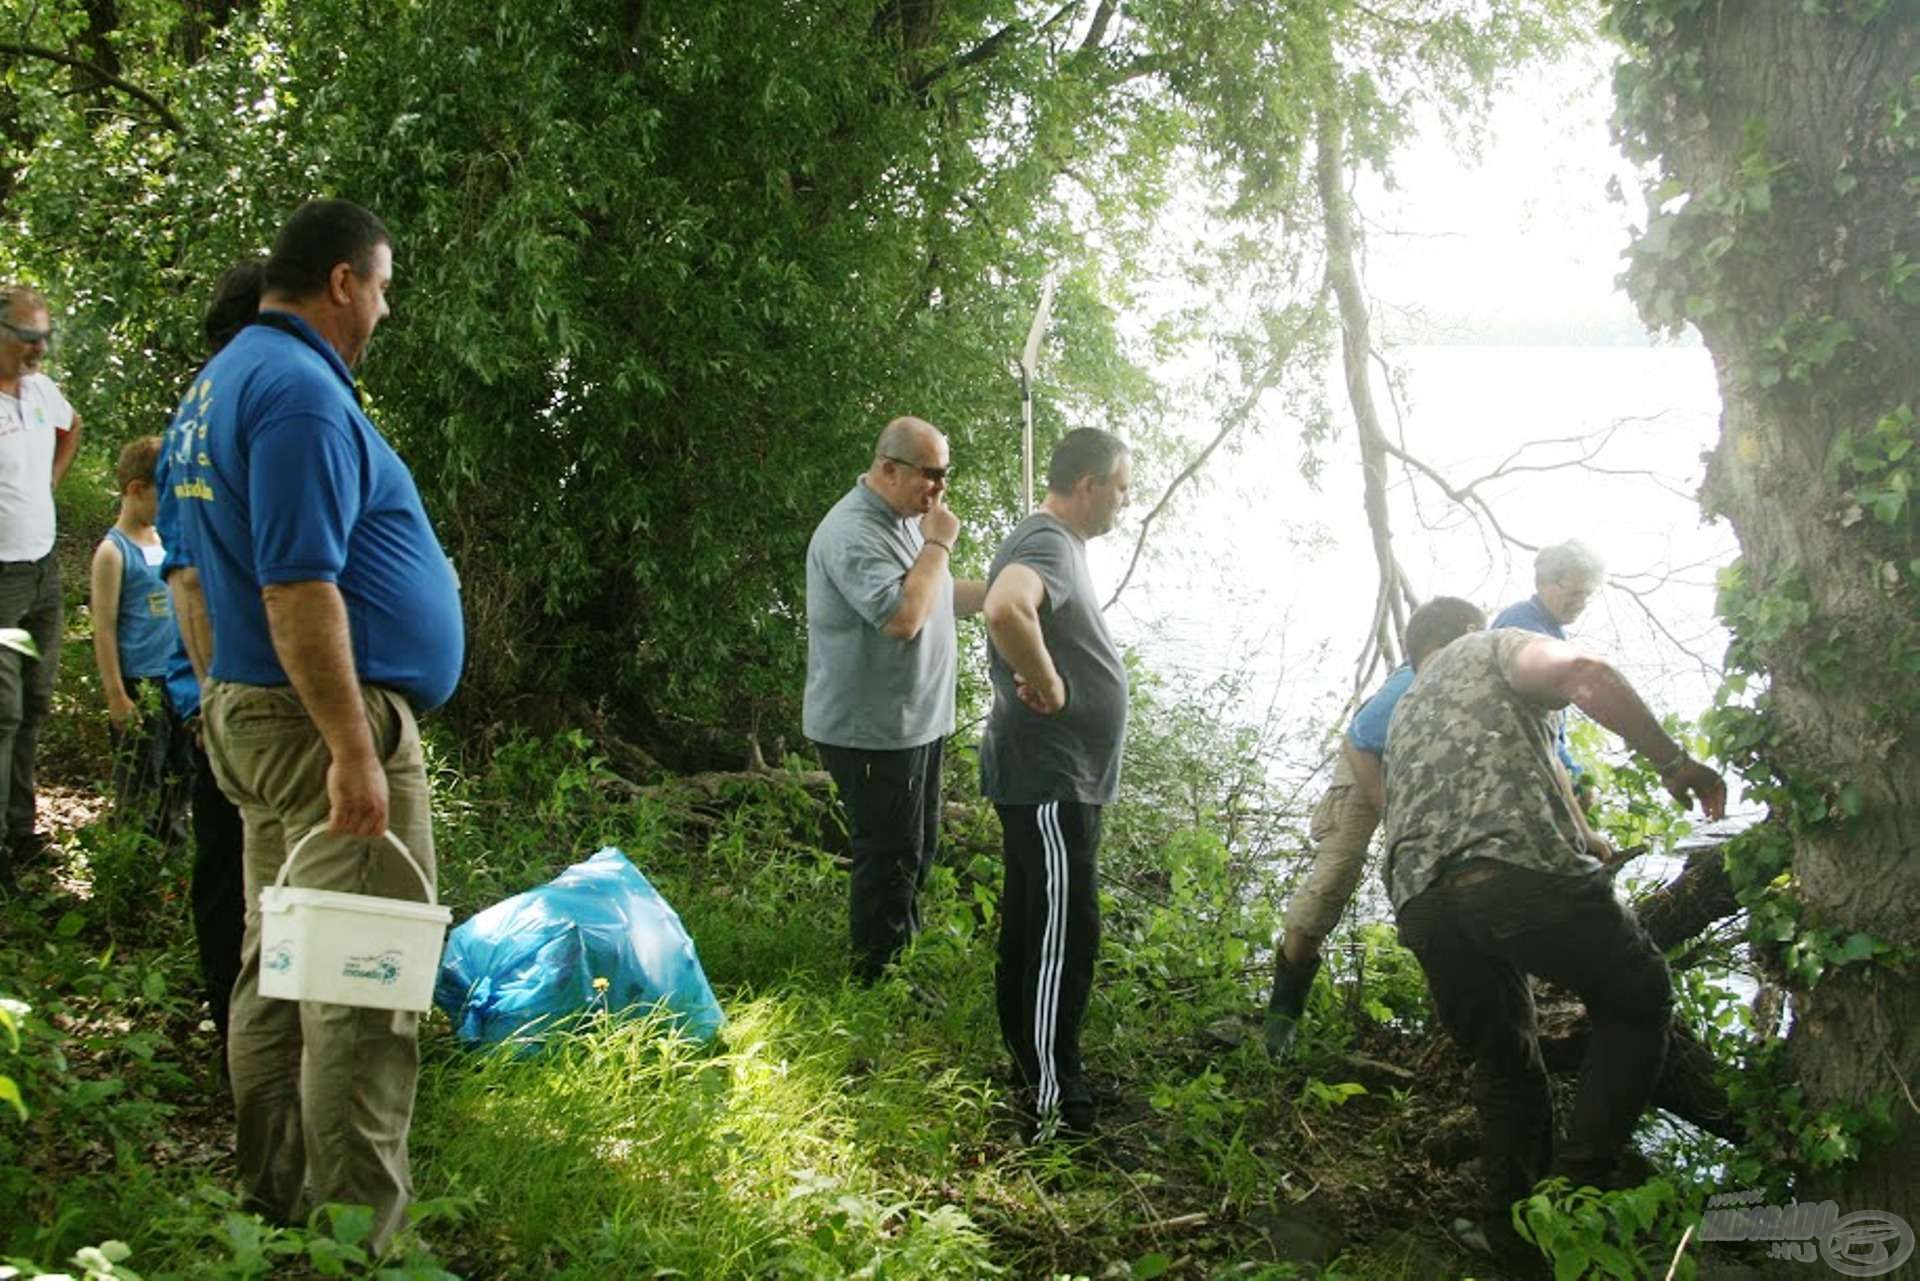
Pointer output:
1565, 577
881, 604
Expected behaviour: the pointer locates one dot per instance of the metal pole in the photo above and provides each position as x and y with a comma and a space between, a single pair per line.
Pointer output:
1029, 360
1026, 439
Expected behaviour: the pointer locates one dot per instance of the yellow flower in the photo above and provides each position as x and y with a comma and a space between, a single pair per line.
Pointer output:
600, 985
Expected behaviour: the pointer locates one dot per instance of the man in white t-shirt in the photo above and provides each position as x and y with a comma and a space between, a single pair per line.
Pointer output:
38, 435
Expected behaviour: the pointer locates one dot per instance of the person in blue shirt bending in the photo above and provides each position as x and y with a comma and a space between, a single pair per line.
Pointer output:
1345, 820
134, 642
1565, 577
336, 621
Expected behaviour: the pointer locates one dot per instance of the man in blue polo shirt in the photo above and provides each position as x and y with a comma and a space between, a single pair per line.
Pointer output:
1345, 820
336, 619
1565, 577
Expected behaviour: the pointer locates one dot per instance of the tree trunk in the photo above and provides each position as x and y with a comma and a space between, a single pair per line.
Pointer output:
1789, 128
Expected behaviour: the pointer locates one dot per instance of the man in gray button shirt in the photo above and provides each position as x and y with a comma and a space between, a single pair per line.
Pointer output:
881, 604
1050, 763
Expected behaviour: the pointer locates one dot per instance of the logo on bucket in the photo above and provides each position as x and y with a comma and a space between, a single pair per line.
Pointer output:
382, 968
280, 959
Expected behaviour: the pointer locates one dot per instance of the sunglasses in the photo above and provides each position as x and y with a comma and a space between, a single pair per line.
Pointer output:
934, 474
25, 335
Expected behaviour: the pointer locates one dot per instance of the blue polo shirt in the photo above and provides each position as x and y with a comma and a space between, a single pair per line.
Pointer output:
1531, 615
274, 475
1369, 729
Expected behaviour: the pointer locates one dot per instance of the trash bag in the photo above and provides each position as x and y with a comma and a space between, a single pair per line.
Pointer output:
539, 957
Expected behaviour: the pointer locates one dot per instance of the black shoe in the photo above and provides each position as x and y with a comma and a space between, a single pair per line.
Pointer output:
28, 850
1079, 1110
1291, 983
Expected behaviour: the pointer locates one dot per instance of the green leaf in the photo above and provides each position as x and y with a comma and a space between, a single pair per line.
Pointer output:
1571, 1264
70, 925
350, 1224
1150, 1265
1860, 947
10, 1093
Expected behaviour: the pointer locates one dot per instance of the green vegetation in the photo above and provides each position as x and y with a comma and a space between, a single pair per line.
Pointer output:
837, 1131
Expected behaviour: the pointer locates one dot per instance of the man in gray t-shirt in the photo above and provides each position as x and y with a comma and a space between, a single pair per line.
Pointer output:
881, 604
1049, 763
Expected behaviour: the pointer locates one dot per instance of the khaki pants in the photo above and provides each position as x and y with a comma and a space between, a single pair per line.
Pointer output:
1342, 829
323, 1093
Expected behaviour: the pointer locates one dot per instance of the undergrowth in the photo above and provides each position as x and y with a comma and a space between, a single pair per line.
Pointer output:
834, 1131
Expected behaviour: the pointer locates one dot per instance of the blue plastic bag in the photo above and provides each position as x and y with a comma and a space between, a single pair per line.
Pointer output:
536, 957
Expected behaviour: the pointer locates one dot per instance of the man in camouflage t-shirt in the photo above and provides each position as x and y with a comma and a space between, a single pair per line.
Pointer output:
1494, 875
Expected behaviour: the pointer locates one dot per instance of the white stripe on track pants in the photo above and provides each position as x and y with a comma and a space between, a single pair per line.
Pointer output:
1049, 933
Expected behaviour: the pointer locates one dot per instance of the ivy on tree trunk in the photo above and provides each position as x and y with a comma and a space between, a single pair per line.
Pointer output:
1781, 222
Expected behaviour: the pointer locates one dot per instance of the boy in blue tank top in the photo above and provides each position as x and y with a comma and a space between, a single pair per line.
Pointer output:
134, 643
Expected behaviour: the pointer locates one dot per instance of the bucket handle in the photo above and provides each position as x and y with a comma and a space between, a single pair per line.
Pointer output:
393, 838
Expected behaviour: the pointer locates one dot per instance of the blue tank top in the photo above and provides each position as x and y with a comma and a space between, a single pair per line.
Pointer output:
147, 634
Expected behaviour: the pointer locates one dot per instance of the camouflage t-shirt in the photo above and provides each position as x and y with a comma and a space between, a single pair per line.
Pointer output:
1471, 772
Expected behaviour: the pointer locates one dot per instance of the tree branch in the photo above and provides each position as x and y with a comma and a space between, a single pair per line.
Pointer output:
1269, 375
1343, 275
1102, 15
106, 77
989, 48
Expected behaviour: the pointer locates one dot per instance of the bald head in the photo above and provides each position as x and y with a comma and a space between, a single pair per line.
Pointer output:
909, 465
907, 438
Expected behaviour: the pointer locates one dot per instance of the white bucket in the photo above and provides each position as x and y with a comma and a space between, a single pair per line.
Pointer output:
350, 949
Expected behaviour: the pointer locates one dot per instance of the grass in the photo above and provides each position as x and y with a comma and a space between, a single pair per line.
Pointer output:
835, 1131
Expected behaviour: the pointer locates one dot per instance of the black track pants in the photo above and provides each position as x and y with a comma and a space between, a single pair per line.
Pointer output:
1049, 933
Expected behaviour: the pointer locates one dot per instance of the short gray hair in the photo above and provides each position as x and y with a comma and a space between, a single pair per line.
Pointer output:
1571, 559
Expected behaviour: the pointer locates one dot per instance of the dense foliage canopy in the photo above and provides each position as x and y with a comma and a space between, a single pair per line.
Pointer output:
663, 270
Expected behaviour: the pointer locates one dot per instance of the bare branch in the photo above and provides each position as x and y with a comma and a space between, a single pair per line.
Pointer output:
1464, 497
101, 74
1236, 418
1710, 670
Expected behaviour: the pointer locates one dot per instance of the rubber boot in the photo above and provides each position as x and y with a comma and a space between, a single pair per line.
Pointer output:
1291, 983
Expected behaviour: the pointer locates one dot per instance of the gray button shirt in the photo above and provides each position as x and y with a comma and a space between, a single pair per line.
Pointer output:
864, 688
1074, 754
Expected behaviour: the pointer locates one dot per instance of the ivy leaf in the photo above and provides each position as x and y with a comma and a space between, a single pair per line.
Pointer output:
1859, 947
1852, 800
